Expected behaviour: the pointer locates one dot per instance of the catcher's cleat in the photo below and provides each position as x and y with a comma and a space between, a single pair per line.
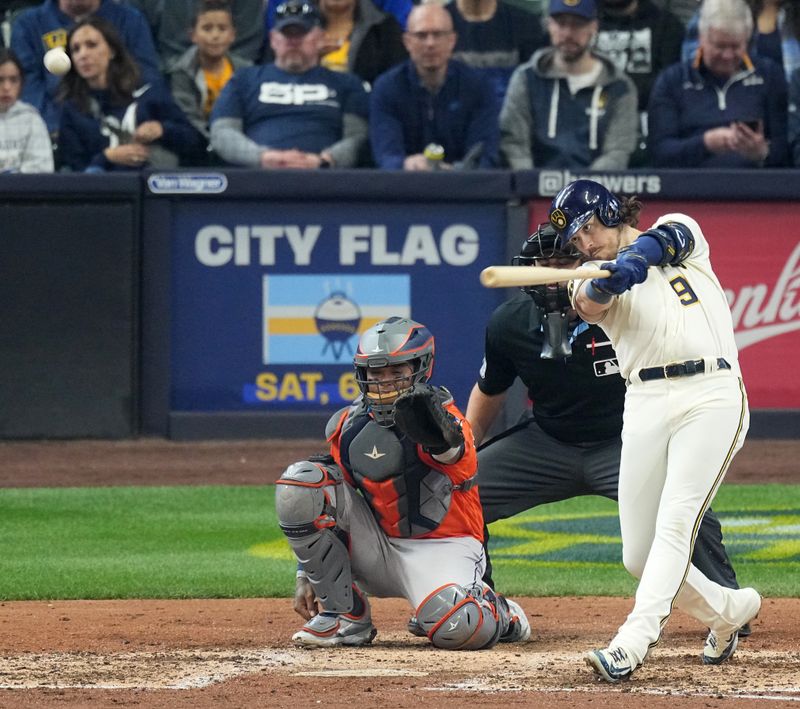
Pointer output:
519, 630
720, 647
612, 664
745, 631
328, 630
415, 628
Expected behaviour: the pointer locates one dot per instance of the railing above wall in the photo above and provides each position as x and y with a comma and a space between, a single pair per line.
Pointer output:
670, 184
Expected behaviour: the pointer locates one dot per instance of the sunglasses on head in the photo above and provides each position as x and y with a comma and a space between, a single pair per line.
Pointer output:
295, 9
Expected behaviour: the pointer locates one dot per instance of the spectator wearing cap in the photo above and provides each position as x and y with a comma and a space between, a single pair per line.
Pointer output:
569, 106
722, 108
291, 113
432, 99
42, 28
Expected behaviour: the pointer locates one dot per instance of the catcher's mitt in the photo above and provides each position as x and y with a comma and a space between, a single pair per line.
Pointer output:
419, 414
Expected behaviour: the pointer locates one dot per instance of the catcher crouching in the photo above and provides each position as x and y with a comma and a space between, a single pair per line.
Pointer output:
394, 511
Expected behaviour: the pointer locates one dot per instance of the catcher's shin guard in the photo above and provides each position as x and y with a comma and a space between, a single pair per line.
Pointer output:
458, 618
305, 500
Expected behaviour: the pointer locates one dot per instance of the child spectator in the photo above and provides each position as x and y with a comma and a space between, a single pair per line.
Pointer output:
198, 76
109, 120
168, 20
24, 141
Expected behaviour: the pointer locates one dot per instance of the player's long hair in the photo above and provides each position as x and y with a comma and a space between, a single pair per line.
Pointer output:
123, 74
629, 209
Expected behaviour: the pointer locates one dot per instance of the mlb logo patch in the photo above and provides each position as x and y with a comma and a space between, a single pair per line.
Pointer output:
606, 367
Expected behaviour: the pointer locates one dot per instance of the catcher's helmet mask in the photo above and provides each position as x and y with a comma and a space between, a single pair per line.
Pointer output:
552, 299
577, 203
391, 342
544, 245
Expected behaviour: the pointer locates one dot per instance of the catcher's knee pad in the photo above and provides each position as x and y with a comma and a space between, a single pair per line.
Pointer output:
305, 500
458, 618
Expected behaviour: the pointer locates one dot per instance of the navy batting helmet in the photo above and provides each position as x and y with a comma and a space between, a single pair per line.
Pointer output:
392, 341
575, 205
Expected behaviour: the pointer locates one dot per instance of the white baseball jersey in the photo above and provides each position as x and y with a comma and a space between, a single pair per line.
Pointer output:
679, 313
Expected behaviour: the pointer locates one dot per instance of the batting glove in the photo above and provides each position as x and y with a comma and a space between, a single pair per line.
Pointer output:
629, 269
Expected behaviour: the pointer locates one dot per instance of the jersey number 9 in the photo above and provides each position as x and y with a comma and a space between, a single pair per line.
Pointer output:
684, 291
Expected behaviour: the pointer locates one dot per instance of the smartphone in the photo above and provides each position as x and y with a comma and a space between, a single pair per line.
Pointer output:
753, 125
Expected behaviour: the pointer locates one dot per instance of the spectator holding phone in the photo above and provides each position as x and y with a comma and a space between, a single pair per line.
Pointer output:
724, 108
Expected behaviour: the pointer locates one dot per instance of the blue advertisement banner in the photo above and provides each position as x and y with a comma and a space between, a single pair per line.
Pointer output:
269, 299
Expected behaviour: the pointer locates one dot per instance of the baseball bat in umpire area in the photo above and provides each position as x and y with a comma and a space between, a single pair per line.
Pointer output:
509, 276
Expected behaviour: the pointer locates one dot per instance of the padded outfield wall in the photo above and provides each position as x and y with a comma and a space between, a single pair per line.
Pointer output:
228, 303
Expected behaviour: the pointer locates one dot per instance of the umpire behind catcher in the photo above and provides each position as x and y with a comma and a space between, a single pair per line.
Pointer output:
569, 443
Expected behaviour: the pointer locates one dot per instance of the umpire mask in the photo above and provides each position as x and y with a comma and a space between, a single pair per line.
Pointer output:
542, 248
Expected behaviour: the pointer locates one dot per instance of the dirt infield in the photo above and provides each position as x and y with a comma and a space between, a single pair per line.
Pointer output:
155, 461
237, 653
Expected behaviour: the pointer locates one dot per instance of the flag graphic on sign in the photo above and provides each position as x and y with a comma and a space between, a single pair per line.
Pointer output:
317, 318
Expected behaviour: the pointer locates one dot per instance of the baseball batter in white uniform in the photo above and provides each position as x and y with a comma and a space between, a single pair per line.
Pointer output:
685, 413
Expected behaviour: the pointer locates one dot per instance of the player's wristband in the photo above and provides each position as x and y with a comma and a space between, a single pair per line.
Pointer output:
597, 296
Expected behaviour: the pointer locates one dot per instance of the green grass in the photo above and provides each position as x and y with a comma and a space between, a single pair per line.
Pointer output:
199, 542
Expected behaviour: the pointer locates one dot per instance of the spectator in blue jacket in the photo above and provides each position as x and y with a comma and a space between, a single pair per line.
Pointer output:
292, 113
110, 120
431, 98
776, 33
723, 108
39, 29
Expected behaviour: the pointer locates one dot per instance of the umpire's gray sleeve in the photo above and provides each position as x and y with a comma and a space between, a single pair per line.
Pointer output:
515, 123
232, 145
621, 134
354, 134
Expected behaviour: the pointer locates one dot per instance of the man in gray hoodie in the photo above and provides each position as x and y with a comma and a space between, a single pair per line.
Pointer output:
569, 106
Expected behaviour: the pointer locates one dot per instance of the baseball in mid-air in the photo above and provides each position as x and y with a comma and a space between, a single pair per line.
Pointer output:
56, 61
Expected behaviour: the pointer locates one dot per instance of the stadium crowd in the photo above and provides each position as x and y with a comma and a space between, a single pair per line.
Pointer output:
316, 84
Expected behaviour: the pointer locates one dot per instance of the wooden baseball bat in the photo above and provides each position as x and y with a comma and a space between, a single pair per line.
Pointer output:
509, 276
